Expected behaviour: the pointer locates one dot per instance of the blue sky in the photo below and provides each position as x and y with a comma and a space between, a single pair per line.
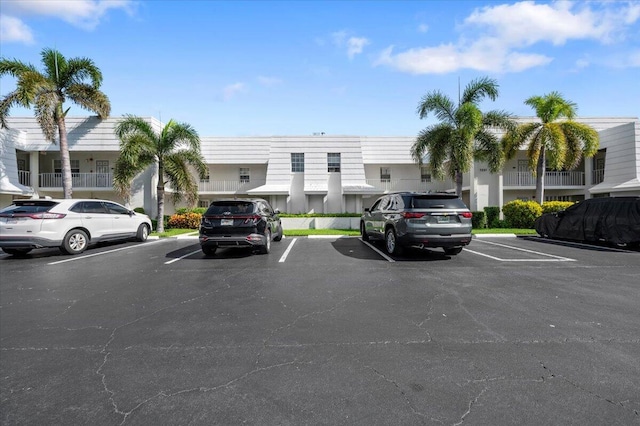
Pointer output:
347, 68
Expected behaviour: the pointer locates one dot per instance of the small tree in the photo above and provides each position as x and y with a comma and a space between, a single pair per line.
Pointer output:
462, 133
175, 151
76, 79
556, 140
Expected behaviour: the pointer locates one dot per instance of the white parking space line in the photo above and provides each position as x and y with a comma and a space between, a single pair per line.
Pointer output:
168, 262
553, 257
286, 252
71, 259
374, 248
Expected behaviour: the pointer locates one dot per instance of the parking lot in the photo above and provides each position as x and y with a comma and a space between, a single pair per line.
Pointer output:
322, 331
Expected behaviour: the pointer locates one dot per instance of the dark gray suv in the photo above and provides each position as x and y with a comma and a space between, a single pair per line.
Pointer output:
414, 219
250, 223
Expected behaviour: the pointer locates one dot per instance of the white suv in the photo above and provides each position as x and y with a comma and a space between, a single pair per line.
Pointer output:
70, 224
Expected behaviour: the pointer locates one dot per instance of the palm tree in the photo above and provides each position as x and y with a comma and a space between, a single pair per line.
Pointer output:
76, 79
175, 151
556, 141
463, 132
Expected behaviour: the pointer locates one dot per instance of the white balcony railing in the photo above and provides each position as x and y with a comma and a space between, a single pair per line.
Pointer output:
597, 176
391, 185
551, 179
228, 186
24, 177
78, 180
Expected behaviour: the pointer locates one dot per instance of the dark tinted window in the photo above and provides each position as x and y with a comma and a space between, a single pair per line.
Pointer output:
425, 202
232, 207
28, 207
116, 208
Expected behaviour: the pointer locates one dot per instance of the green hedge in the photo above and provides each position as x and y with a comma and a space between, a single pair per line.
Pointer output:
556, 206
521, 214
478, 220
493, 216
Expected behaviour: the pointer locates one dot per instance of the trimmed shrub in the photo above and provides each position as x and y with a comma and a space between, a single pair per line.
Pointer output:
493, 215
521, 214
197, 210
139, 210
184, 221
478, 220
555, 206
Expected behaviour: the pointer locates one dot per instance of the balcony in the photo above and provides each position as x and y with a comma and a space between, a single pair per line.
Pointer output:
597, 176
228, 186
392, 185
24, 177
551, 179
78, 180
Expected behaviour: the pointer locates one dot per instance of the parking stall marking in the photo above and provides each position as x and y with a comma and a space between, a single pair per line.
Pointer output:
81, 257
553, 258
286, 252
168, 262
380, 252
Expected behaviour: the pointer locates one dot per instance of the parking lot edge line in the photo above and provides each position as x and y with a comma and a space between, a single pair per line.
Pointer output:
527, 251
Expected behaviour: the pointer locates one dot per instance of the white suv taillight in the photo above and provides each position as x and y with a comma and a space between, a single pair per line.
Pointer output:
46, 215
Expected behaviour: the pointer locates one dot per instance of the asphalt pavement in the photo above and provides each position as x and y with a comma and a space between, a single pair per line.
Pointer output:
321, 332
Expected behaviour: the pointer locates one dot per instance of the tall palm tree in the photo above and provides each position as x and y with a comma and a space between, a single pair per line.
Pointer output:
556, 141
175, 151
463, 133
76, 79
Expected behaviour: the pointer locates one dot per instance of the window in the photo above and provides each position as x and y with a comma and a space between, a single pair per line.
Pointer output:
245, 175
385, 174
425, 174
297, 162
333, 162
75, 166
207, 177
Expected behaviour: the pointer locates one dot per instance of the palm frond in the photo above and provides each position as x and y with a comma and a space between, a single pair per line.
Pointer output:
479, 88
90, 98
439, 104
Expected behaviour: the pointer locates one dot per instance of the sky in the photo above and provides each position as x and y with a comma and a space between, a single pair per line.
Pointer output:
268, 68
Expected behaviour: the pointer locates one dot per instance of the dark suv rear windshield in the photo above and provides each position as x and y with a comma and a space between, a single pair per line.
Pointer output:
232, 207
418, 202
28, 207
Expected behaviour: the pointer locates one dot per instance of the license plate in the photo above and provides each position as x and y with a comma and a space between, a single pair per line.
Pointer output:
226, 222
442, 219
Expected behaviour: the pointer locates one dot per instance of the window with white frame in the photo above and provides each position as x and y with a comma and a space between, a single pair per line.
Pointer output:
245, 175
425, 174
333, 162
385, 174
75, 166
297, 162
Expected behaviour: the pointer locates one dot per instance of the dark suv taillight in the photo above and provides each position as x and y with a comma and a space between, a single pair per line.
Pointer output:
466, 215
412, 215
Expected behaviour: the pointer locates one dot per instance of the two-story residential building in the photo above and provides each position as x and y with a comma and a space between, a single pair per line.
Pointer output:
316, 173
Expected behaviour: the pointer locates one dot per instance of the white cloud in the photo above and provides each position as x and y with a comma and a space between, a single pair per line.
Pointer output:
85, 14
232, 90
354, 45
14, 30
497, 38
423, 28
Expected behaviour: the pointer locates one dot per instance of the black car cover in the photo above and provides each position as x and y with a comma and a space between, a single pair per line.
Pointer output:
611, 219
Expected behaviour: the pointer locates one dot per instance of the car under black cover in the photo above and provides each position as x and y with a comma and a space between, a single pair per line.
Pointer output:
614, 220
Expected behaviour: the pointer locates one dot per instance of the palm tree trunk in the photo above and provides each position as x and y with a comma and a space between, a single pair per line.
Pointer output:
459, 183
65, 159
540, 169
160, 195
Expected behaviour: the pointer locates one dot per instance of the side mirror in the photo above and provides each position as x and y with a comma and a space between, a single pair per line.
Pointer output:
276, 211
367, 210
